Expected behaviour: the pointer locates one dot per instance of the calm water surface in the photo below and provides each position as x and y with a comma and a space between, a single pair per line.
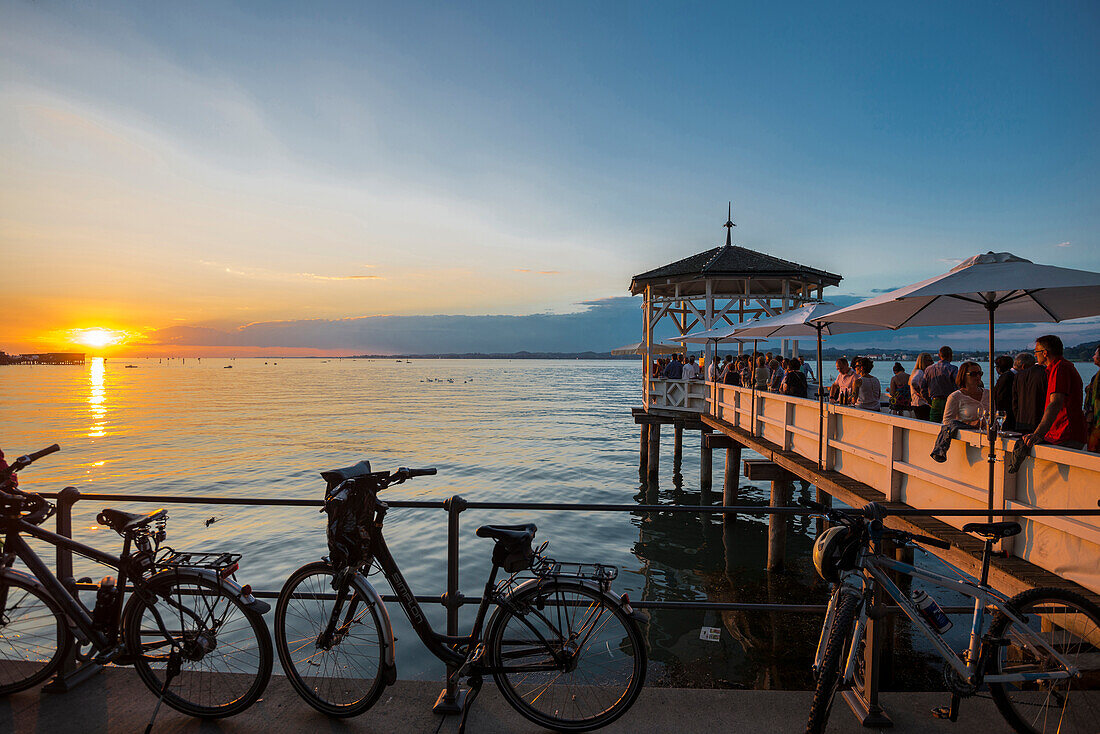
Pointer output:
513, 430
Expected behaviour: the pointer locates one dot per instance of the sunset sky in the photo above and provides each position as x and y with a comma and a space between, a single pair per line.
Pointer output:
255, 178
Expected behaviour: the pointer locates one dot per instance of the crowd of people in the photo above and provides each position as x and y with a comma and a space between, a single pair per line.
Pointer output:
1037, 394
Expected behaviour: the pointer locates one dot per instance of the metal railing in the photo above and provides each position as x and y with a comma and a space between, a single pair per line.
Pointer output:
70, 674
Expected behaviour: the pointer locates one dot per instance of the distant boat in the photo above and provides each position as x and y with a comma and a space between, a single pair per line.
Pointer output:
131, 366
228, 367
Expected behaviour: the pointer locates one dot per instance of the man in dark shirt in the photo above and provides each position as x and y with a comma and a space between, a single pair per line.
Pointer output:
1002, 390
675, 369
1029, 392
939, 382
1063, 422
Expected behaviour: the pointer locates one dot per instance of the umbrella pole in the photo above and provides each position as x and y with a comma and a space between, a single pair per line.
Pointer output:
820, 404
992, 418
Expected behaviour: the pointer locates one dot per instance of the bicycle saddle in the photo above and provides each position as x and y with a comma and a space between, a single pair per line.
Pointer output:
993, 530
362, 469
507, 532
123, 522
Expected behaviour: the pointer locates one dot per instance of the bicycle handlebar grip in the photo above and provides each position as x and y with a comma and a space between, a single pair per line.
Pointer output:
421, 472
44, 452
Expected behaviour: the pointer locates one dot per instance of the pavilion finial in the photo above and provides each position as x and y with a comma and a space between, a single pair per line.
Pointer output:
729, 225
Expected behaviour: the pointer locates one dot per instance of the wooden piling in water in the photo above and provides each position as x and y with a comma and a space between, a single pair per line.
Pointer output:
678, 445
777, 525
733, 474
706, 462
654, 458
643, 453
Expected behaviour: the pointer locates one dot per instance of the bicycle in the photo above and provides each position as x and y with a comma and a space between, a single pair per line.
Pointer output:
565, 650
1040, 646
196, 638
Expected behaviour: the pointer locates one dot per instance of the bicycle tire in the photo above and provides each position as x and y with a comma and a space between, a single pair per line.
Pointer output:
26, 631
1026, 707
299, 622
829, 674
210, 684
611, 652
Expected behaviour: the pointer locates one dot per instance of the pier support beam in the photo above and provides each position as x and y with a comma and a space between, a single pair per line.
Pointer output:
733, 474
678, 445
643, 453
654, 459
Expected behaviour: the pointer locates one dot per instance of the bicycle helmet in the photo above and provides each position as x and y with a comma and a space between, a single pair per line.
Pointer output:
835, 551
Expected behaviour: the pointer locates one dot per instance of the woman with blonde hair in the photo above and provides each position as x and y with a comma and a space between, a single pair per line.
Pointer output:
921, 407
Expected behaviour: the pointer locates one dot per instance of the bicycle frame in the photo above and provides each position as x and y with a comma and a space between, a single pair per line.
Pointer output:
971, 669
80, 621
445, 647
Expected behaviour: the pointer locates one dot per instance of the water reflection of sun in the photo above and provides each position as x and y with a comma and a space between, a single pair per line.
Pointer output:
97, 397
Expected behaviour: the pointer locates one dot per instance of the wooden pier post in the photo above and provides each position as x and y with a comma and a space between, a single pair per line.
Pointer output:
678, 445
654, 458
643, 453
733, 474
706, 463
777, 525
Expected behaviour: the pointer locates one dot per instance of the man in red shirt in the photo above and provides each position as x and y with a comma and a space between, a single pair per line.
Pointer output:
1063, 420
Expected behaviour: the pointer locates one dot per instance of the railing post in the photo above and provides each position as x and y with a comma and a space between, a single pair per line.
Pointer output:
451, 700
70, 674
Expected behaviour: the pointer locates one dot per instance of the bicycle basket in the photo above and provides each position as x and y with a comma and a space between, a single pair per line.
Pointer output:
350, 505
513, 556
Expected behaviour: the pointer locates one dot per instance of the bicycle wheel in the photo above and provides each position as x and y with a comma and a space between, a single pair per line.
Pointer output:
341, 676
1071, 625
579, 661
33, 636
225, 647
832, 665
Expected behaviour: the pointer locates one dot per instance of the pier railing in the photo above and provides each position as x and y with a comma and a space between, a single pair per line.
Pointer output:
892, 453
682, 396
453, 599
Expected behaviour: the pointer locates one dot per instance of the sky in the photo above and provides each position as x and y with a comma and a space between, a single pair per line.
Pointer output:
341, 178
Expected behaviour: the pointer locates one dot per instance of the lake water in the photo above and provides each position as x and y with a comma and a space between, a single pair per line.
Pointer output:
506, 430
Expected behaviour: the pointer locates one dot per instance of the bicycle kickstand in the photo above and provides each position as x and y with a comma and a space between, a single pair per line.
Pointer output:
475, 688
951, 712
174, 662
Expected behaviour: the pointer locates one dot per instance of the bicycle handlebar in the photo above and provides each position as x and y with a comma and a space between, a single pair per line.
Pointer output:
44, 452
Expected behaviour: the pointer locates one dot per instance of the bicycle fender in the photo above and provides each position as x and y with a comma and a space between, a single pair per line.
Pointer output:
389, 666
637, 615
248, 601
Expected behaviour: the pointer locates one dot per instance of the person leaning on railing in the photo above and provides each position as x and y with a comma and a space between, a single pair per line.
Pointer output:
921, 407
1063, 422
939, 383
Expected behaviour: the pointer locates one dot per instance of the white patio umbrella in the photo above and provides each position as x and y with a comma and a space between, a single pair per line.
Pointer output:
809, 320
984, 288
639, 348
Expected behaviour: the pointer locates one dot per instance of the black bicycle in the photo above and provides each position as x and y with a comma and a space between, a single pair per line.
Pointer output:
563, 648
197, 639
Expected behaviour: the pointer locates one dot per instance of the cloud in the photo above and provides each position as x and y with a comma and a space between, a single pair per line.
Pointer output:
539, 272
885, 290
265, 274
1064, 244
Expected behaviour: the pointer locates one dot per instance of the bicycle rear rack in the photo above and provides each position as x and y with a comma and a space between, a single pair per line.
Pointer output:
219, 562
549, 568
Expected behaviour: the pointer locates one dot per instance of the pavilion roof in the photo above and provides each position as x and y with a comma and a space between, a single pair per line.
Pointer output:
728, 263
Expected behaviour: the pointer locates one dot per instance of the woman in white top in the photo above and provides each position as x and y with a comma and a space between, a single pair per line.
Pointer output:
867, 388
971, 401
921, 408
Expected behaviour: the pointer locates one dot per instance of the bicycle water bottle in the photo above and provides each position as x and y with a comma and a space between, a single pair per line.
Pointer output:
106, 598
931, 611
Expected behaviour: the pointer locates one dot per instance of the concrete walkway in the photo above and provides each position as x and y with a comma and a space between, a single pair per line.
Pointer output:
117, 701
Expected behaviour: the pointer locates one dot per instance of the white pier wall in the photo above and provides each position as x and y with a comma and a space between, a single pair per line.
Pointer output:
892, 454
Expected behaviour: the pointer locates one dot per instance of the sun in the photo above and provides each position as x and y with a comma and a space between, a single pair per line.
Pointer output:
98, 337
